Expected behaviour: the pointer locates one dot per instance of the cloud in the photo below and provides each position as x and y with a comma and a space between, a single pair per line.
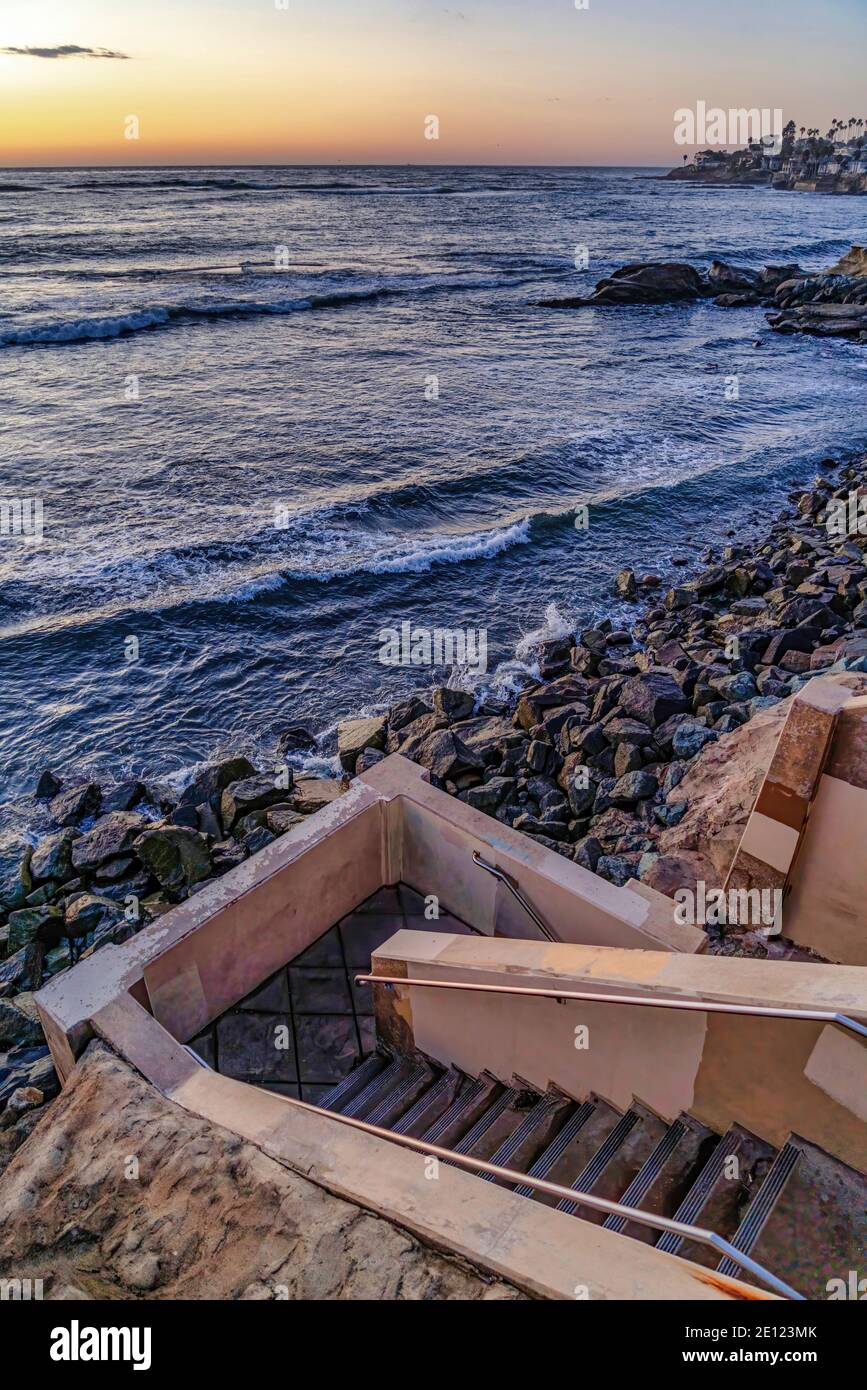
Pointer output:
63, 50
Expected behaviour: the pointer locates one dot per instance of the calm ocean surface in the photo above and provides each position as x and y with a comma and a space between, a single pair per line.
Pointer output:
303, 387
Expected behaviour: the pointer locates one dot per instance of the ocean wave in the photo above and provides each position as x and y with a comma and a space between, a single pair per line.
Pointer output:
59, 332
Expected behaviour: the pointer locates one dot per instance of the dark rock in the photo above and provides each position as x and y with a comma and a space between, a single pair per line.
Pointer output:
296, 739
111, 836
212, 781
652, 698
177, 857
444, 754
250, 794
48, 785
75, 805
354, 735
634, 786
624, 584
51, 860
31, 924
367, 758
689, 739
453, 705
258, 840
615, 869
125, 796
88, 913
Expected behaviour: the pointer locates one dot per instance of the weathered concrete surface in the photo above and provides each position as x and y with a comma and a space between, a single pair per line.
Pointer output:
206, 1217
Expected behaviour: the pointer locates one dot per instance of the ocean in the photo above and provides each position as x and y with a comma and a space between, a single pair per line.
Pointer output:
270, 413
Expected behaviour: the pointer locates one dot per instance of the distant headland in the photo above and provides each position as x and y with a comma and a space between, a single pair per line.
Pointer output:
801, 160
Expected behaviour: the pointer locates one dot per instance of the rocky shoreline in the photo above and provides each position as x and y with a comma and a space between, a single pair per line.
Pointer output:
829, 304
589, 758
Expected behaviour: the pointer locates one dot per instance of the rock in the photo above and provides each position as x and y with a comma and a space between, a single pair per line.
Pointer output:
22, 970
732, 279
17, 1027
689, 739
407, 712
312, 793
250, 794
632, 731
211, 782
444, 754
652, 698
296, 739
88, 912
587, 852
176, 857
627, 758
634, 786
354, 735
367, 758
672, 872
739, 686
553, 656
47, 786
615, 869
490, 737
258, 840
125, 796
21, 1100
112, 835
279, 819
75, 805
624, 584
228, 854
31, 924
642, 283
487, 796
51, 860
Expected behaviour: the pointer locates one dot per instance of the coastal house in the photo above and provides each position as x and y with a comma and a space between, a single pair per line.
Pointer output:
402, 988
710, 159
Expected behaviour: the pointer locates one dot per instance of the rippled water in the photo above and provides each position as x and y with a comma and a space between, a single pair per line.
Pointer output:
283, 487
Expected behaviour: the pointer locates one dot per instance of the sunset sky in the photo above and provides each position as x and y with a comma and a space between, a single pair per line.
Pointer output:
327, 81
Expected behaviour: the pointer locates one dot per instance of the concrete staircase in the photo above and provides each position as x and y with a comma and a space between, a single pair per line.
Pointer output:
798, 1211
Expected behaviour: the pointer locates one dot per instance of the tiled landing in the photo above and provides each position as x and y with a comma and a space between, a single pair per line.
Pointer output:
309, 1024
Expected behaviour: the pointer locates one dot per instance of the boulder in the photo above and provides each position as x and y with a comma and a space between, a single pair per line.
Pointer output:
652, 698
312, 793
250, 794
176, 857
212, 781
125, 796
51, 861
689, 739
354, 735
47, 786
112, 835
634, 786
19, 1027
296, 739
453, 705
647, 282
88, 913
444, 754
75, 805
624, 584
29, 924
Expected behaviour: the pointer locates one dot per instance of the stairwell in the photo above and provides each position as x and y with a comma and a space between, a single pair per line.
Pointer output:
797, 1210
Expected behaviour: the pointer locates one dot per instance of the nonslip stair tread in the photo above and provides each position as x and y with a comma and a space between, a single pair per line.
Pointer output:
721, 1193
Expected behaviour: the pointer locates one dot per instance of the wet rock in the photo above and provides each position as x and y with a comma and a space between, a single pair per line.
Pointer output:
258, 840
296, 739
22, 970
647, 282
354, 735
176, 857
211, 782
279, 819
453, 705
73, 806
125, 796
47, 786
624, 584
88, 913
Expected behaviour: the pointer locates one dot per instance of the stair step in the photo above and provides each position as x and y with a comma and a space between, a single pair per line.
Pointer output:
404, 1093
532, 1135
812, 1227
625, 1162
471, 1102
661, 1184
431, 1104
574, 1157
717, 1200
370, 1096
592, 1171
555, 1150
349, 1087
503, 1105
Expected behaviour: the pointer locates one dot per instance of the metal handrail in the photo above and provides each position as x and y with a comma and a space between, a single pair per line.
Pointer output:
709, 1006
553, 1189
547, 932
